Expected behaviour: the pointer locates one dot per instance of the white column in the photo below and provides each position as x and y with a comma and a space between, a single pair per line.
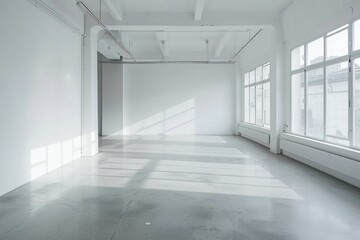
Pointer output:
89, 91
239, 95
277, 83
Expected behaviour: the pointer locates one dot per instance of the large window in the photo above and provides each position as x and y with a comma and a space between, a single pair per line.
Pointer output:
257, 96
315, 102
337, 102
325, 87
298, 103
356, 39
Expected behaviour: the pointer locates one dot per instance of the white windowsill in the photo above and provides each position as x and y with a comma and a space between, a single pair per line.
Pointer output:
255, 128
328, 147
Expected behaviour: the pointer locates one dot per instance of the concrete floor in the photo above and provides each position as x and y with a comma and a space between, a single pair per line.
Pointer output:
182, 188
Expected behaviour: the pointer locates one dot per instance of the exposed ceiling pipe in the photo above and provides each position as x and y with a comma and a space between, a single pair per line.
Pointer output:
185, 31
168, 62
247, 43
88, 11
53, 13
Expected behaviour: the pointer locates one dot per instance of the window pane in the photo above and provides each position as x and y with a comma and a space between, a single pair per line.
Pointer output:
252, 77
357, 35
259, 74
266, 109
298, 104
259, 103
357, 103
315, 52
297, 58
337, 45
252, 104
266, 71
246, 104
246, 79
315, 103
337, 100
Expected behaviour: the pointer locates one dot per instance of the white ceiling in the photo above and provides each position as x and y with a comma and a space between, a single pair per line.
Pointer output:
189, 5
182, 45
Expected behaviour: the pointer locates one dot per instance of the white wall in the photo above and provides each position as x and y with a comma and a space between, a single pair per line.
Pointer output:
179, 99
306, 19
40, 94
112, 99
257, 52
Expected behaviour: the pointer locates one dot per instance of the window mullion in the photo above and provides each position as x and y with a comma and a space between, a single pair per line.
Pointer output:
305, 103
325, 91
305, 92
351, 89
255, 86
262, 96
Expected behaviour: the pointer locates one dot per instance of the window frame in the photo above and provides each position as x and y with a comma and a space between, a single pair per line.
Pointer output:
255, 84
350, 58
356, 56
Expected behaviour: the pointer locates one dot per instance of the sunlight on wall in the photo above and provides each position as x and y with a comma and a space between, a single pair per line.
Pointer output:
174, 120
53, 156
38, 162
50, 157
67, 151
94, 146
89, 143
77, 147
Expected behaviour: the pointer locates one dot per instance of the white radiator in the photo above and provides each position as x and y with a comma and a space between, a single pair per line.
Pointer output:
338, 166
254, 135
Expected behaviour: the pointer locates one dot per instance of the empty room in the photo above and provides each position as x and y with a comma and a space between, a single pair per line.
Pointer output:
180, 120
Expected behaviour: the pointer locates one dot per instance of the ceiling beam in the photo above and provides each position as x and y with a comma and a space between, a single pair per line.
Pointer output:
108, 51
247, 20
163, 41
115, 9
224, 39
199, 8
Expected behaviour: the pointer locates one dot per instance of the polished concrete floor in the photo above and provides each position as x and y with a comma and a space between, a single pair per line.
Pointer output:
182, 188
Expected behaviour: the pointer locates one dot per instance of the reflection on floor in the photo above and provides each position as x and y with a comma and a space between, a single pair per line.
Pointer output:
182, 187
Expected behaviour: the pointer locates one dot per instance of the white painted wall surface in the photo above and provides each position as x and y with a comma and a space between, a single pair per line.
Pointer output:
179, 99
112, 99
40, 94
257, 52
305, 19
